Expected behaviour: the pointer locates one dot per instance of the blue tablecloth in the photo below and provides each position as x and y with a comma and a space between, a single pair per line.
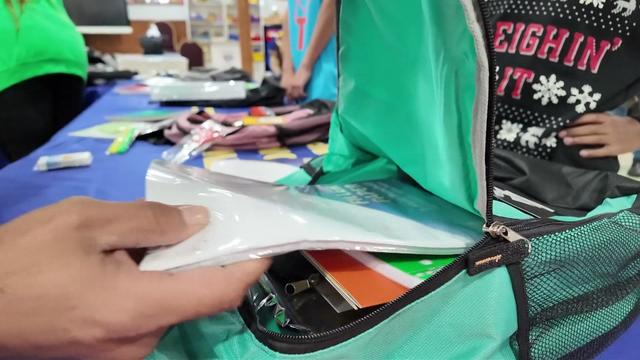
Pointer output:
116, 177
121, 178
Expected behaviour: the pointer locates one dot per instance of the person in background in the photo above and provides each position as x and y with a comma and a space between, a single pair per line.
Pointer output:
309, 50
71, 289
611, 134
43, 67
562, 65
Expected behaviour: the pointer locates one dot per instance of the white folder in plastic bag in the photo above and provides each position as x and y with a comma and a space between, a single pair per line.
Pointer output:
251, 219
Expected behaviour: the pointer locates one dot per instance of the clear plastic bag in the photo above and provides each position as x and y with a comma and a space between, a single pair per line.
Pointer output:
252, 219
198, 141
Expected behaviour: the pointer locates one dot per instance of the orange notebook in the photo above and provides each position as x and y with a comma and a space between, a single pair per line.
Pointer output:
360, 285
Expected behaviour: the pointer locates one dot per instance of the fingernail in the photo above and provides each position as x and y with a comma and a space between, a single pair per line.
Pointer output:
568, 141
584, 153
195, 215
562, 134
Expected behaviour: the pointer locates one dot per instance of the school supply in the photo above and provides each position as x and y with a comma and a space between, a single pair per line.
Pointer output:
366, 280
198, 91
200, 139
255, 219
112, 130
262, 128
63, 161
145, 115
269, 93
123, 142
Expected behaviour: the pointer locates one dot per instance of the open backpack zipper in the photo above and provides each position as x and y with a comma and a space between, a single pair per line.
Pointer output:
299, 344
499, 237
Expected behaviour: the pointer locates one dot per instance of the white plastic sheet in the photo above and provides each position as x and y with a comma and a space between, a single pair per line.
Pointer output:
178, 90
252, 219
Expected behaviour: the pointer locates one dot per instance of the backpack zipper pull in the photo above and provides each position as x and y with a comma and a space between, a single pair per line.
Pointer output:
514, 250
498, 230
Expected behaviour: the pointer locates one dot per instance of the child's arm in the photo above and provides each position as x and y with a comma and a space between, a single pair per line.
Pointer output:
288, 72
616, 135
322, 33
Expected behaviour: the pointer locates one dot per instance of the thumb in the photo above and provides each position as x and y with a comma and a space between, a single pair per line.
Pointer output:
169, 298
146, 224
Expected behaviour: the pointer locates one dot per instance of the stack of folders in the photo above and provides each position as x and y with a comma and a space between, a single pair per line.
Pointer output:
366, 279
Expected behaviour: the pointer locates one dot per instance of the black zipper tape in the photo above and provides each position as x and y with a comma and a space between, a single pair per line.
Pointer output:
505, 253
309, 168
317, 176
501, 254
538, 227
522, 309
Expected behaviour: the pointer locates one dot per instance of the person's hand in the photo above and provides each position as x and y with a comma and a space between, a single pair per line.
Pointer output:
300, 80
616, 135
69, 288
286, 82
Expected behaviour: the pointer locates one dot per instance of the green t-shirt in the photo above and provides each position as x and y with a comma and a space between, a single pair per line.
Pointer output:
37, 40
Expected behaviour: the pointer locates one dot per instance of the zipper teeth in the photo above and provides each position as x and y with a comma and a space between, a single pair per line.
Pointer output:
552, 226
527, 227
387, 307
328, 334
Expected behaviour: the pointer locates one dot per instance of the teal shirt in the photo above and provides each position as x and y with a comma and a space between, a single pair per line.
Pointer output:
303, 15
39, 40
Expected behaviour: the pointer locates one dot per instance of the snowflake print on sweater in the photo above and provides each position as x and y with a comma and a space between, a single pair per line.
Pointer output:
551, 141
557, 61
625, 7
532, 137
597, 3
584, 98
549, 89
509, 131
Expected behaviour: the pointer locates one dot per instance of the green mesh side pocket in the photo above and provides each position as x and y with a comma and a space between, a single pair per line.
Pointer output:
583, 286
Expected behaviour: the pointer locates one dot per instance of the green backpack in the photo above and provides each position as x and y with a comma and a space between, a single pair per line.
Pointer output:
416, 89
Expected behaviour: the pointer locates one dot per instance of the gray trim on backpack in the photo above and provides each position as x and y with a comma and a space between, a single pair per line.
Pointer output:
479, 131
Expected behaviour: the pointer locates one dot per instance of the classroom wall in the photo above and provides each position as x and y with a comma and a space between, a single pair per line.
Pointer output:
159, 12
141, 17
129, 43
